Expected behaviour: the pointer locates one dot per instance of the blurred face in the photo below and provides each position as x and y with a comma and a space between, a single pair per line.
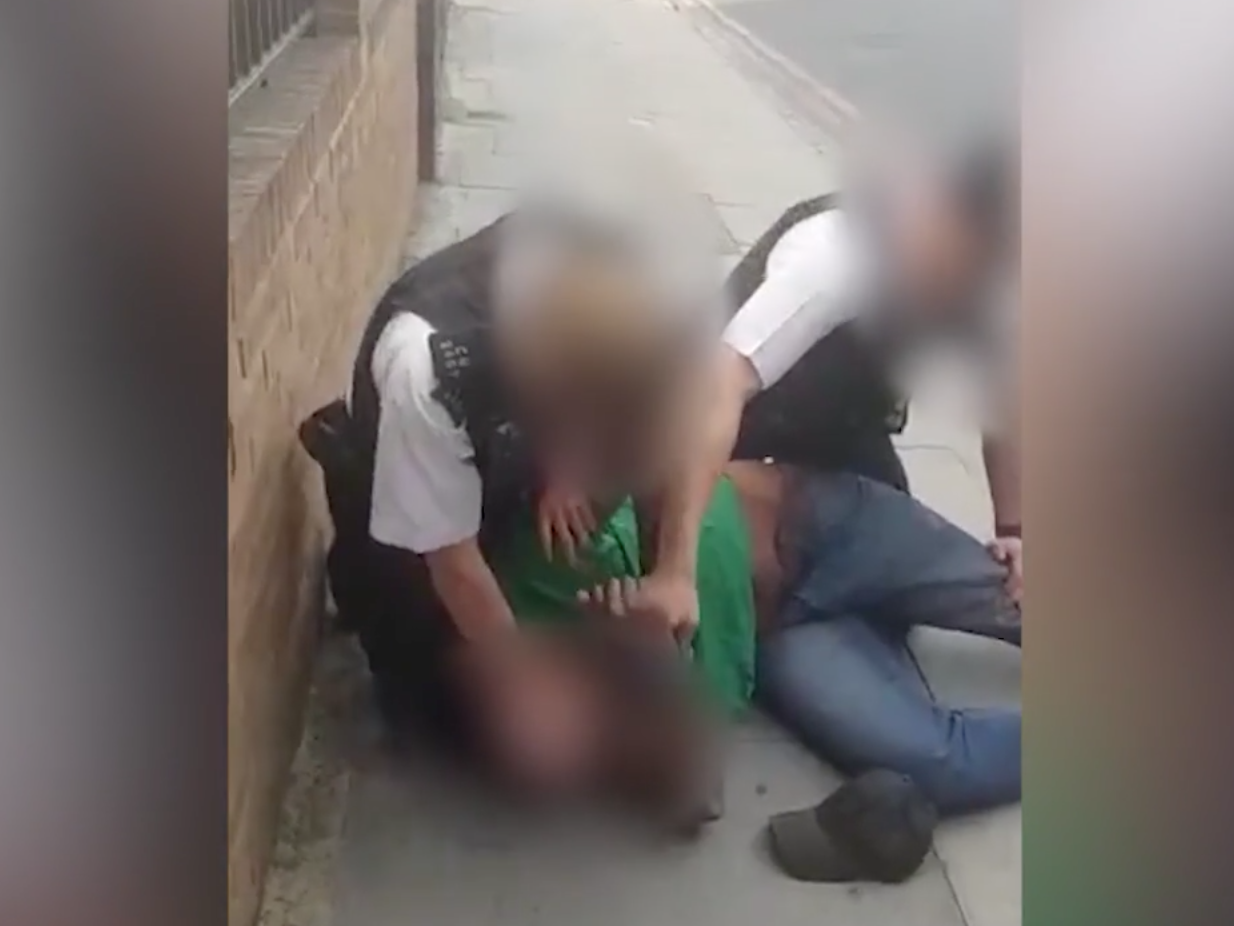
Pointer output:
554, 724
596, 336
537, 713
612, 449
940, 260
613, 432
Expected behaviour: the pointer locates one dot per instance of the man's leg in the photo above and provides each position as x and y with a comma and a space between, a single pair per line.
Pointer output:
880, 553
851, 692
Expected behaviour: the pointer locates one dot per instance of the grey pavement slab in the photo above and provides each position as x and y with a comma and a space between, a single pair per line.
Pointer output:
423, 846
450, 213
981, 854
946, 65
622, 60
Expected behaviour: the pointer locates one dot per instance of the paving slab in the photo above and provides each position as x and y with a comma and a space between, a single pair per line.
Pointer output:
946, 65
982, 853
423, 846
626, 60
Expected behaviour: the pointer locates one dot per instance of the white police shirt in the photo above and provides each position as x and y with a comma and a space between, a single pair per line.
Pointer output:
426, 491
823, 273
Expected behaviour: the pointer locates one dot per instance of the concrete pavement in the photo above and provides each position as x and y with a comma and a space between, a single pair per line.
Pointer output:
370, 842
944, 64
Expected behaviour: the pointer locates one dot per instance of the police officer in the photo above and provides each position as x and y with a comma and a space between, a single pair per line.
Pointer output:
828, 303
562, 338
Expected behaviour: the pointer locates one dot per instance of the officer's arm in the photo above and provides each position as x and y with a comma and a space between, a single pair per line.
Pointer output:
684, 501
428, 499
808, 292
469, 590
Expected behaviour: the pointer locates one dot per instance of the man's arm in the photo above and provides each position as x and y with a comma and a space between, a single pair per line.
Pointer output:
1002, 466
1001, 434
1001, 451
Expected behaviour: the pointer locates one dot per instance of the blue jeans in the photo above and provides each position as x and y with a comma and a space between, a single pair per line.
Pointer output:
871, 563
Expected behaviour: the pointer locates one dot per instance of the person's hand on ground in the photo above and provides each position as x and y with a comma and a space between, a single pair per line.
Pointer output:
666, 602
1009, 551
565, 521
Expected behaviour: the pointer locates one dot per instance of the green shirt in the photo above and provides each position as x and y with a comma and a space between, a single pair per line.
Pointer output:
544, 591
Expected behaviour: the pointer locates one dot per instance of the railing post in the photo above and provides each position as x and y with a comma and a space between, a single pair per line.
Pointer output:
430, 50
339, 17
258, 30
348, 17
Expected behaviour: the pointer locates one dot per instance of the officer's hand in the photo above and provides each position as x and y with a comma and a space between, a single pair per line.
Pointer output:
1010, 552
565, 520
666, 601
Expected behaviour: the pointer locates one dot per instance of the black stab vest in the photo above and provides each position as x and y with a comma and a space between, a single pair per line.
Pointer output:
835, 401
450, 290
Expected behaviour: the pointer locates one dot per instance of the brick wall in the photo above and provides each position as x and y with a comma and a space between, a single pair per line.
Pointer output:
322, 183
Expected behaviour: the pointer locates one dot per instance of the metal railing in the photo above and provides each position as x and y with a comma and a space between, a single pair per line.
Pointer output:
259, 30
